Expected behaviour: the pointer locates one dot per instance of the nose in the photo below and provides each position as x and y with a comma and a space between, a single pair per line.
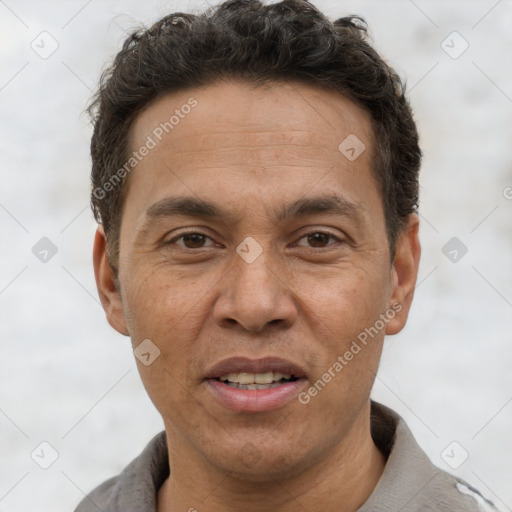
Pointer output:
255, 296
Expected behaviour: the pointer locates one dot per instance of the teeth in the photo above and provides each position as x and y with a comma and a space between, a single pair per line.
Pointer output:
264, 378
244, 378
278, 375
253, 387
247, 379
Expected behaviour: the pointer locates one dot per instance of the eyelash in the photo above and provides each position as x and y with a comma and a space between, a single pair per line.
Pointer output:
182, 235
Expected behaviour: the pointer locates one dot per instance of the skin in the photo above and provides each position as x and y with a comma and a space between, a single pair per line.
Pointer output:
251, 151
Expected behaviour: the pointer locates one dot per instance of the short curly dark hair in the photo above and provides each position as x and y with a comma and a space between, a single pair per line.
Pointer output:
290, 41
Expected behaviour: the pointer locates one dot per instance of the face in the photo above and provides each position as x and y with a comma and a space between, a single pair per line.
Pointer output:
252, 245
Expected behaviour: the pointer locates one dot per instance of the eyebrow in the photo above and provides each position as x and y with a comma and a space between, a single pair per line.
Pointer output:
188, 206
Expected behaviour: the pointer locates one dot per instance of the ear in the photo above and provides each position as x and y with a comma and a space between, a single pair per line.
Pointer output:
106, 283
404, 273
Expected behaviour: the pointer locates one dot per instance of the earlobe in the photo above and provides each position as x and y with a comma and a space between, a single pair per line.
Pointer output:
109, 294
404, 273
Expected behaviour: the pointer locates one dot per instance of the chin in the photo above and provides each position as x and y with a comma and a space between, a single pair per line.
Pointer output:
270, 473
265, 464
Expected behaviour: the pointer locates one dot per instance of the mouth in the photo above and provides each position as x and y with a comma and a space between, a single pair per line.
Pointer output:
256, 381
248, 385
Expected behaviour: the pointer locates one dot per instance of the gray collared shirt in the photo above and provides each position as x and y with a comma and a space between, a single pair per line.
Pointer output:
410, 482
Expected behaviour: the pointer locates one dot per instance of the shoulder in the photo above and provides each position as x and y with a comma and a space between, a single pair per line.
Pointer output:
136, 487
410, 482
99, 497
447, 493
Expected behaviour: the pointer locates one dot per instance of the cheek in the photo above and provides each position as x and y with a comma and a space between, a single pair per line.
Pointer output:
161, 309
344, 301
157, 302
170, 311
344, 311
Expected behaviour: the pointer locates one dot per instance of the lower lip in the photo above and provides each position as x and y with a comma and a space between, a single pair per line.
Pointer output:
259, 400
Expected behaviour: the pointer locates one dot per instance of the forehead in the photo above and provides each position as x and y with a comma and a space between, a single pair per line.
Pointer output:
240, 144
267, 111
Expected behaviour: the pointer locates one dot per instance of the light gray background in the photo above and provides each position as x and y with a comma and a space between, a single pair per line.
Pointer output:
70, 380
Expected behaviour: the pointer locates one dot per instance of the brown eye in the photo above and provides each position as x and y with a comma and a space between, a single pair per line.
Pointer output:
318, 240
191, 240
194, 240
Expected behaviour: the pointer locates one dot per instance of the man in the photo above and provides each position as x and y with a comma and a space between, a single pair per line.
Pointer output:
255, 179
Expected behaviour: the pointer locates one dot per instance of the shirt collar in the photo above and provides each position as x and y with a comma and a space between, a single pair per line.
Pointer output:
408, 472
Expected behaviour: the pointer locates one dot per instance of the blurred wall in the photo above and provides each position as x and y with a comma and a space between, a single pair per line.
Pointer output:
70, 381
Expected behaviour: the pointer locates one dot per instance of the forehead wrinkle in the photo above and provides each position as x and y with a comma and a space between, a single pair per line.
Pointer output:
252, 147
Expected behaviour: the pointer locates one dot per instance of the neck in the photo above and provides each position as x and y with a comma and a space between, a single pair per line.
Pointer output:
342, 480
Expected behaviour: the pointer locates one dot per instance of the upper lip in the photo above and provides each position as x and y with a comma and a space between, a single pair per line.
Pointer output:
247, 365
